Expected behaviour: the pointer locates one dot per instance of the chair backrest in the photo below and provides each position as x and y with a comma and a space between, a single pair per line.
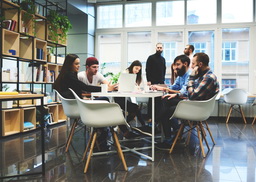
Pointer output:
236, 96
70, 106
99, 113
195, 110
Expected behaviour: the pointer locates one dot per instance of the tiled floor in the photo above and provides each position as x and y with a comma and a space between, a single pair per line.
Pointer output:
232, 159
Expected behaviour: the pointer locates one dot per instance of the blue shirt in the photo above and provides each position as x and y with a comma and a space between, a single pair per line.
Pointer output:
181, 83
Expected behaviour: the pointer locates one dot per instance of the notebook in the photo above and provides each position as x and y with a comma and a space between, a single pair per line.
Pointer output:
127, 82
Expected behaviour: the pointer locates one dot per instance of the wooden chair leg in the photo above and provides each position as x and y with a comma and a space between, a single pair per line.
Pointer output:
190, 123
253, 120
71, 134
87, 146
119, 150
203, 134
177, 136
209, 131
200, 140
242, 113
94, 135
229, 113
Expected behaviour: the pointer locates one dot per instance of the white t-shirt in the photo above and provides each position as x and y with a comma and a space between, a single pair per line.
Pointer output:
96, 79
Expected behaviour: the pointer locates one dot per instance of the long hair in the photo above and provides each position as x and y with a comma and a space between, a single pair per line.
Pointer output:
130, 69
174, 74
67, 66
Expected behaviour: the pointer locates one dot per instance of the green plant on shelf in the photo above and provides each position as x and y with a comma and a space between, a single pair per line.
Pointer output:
5, 88
58, 25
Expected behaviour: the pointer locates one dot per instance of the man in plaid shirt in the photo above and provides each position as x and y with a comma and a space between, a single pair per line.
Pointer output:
202, 84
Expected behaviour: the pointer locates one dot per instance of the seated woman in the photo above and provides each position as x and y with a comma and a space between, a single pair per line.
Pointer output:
132, 108
68, 79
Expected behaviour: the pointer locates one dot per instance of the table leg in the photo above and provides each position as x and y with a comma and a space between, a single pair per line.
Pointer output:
153, 128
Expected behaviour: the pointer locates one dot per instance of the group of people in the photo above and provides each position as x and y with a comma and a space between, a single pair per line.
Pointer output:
191, 78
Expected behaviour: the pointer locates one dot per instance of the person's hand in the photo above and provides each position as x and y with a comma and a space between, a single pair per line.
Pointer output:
112, 87
194, 71
157, 87
169, 96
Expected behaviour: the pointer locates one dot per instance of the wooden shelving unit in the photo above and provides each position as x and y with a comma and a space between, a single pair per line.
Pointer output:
28, 114
10, 122
61, 115
10, 42
26, 45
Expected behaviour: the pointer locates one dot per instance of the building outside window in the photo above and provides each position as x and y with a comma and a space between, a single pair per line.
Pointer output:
228, 83
229, 51
199, 47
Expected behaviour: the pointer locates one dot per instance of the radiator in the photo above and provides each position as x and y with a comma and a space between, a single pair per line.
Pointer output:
248, 109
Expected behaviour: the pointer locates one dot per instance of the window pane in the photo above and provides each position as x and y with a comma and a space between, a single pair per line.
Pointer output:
201, 11
110, 16
237, 11
138, 15
139, 47
235, 59
170, 13
203, 41
173, 46
110, 52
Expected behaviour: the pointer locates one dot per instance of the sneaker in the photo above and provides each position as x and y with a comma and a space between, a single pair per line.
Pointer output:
131, 135
163, 146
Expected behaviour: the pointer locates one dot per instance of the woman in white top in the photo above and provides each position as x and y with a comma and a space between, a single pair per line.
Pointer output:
132, 108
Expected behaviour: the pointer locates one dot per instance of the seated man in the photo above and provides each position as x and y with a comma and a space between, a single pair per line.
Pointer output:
177, 91
202, 85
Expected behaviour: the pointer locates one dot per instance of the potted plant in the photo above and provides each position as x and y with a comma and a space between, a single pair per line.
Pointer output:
58, 26
27, 19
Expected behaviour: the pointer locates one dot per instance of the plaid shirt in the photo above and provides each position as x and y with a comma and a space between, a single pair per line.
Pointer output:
204, 87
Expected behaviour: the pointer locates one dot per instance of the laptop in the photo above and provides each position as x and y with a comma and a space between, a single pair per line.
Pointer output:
127, 82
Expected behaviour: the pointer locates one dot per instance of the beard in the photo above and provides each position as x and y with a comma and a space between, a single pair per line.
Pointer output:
159, 52
182, 71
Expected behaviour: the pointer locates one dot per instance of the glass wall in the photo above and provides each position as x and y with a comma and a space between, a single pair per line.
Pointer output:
235, 58
224, 34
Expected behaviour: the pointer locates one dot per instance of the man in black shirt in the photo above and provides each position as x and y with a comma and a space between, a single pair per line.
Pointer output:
155, 66
155, 72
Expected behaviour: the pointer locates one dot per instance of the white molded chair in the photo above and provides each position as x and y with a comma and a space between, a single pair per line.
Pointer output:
235, 97
197, 112
70, 108
97, 115
254, 104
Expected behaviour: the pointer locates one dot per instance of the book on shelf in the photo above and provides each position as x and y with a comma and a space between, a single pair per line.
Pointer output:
39, 53
9, 24
52, 75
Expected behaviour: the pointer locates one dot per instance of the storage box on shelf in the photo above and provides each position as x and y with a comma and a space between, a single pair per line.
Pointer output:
10, 122
53, 110
40, 28
10, 43
28, 119
26, 23
61, 115
10, 13
26, 46
40, 50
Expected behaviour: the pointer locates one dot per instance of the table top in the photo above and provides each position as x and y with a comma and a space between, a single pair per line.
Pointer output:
20, 96
130, 94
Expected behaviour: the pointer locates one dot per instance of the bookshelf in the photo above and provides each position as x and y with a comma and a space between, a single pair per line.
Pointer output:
24, 53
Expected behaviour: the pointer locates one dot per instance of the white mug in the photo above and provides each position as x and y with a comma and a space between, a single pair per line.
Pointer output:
104, 88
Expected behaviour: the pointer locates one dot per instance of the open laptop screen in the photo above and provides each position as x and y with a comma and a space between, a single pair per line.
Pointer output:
127, 82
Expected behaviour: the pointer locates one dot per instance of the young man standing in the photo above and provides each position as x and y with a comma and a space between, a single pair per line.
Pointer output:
189, 49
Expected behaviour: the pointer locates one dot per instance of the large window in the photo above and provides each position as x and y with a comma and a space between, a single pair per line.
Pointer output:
139, 47
110, 16
170, 13
201, 11
203, 41
138, 15
110, 52
237, 11
235, 55
228, 83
